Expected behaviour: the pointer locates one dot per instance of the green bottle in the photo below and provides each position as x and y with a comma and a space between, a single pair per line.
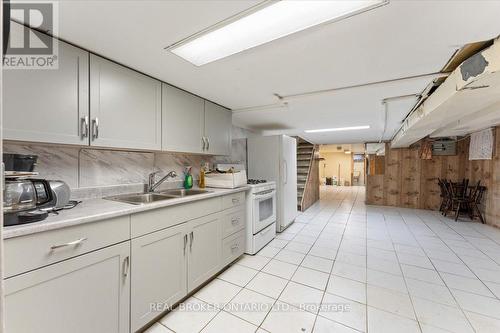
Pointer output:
188, 179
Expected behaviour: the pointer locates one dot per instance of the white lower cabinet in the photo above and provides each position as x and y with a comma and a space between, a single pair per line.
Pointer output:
89, 293
158, 273
205, 249
119, 288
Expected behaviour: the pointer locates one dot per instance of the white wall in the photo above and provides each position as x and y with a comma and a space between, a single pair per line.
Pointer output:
333, 162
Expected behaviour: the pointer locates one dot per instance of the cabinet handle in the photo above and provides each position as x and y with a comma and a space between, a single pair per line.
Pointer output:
126, 266
84, 127
73, 243
236, 200
191, 238
235, 221
185, 243
208, 143
235, 247
203, 143
95, 128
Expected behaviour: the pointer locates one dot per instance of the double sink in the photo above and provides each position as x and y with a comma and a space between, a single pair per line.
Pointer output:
144, 198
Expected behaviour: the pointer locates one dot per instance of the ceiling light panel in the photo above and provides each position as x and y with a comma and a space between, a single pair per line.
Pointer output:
274, 21
352, 128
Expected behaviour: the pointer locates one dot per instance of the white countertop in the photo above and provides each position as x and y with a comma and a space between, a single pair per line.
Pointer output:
100, 209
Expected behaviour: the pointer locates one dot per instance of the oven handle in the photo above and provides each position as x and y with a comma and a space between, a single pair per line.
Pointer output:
264, 194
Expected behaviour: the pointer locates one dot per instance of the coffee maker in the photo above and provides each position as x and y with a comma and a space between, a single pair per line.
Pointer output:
27, 199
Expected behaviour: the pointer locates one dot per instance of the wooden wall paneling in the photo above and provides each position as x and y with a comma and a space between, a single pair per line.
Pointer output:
392, 179
375, 190
493, 206
410, 183
431, 171
311, 192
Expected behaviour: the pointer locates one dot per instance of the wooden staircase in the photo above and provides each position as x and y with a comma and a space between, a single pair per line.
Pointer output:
307, 175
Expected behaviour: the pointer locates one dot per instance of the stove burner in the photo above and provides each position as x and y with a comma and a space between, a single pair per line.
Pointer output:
255, 181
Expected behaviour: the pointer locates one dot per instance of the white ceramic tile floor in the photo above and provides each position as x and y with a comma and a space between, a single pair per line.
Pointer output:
398, 270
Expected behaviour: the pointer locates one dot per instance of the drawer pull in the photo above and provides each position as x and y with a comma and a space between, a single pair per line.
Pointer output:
236, 200
234, 247
235, 221
73, 243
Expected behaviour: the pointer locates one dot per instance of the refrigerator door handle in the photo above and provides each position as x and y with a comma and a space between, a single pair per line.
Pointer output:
285, 172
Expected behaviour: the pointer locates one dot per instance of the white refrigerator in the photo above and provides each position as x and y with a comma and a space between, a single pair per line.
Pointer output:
274, 158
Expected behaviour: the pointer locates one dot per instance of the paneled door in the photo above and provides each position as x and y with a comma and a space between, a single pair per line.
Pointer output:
125, 107
218, 123
47, 105
89, 293
183, 121
158, 273
204, 249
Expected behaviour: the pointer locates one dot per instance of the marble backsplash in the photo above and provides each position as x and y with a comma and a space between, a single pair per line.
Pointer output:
98, 172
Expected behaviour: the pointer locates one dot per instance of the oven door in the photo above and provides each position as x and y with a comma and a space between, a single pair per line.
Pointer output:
263, 210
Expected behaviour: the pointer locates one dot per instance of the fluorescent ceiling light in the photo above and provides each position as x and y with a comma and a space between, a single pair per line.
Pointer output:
352, 128
274, 21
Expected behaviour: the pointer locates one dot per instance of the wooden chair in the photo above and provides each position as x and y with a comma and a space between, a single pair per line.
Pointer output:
475, 200
457, 197
443, 195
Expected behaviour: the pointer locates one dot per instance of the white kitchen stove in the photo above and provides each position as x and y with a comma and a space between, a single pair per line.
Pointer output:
261, 215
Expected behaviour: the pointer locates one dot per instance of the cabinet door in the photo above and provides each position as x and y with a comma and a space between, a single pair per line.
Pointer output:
125, 107
205, 249
158, 273
89, 293
218, 123
47, 105
182, 121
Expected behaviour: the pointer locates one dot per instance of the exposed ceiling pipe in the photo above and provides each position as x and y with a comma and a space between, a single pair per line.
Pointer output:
327, 91
284, 98
280, 105
386, 108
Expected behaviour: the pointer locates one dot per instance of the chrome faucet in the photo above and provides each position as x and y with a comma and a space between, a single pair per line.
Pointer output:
152, 185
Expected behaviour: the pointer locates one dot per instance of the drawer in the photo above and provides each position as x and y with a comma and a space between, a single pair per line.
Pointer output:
233, 247
233, 220
260, 239
161, 218
29, 252
233, 200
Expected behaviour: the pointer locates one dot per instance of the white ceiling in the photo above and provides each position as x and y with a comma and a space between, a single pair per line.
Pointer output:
403, 38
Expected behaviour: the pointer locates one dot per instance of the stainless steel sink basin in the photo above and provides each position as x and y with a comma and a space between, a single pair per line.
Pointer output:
141, 198
144, 198
180, 192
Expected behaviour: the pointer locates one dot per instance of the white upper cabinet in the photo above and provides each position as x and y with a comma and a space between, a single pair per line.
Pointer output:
183, 121
125, 107
218, 122
47, 105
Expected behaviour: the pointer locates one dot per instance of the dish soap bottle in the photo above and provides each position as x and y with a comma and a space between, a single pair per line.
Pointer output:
188, 178
201, 181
